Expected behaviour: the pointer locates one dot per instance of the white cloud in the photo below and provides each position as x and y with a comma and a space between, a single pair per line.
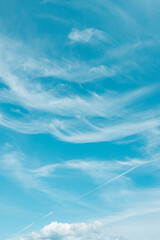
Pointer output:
115, 178
87, 35
76, 231
79, 110
81, 130
29, 177
31, 64
134, 224
71, 117
109, 133
70, 70
98, 170
101, 172
14, 166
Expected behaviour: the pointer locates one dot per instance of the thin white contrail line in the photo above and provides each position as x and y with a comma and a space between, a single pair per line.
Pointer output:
113, 179
49, 214
93, 190
26, 228
30, 225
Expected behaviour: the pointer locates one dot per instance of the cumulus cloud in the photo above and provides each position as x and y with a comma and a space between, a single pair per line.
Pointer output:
126, 225
76, 231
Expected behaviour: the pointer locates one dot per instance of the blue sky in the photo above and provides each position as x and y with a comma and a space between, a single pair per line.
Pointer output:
79, 120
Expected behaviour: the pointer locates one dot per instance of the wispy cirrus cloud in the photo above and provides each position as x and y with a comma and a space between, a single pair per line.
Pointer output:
103, 172
71, 117
82, 130
98, 170
90, 168
30, 64
14, 166
114, 179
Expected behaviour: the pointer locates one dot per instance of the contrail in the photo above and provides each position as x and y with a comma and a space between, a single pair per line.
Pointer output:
26, 228
113, 179
49, 214
45, 216
93, 190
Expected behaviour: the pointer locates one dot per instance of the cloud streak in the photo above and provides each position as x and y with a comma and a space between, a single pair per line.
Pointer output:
86, 116
14, 167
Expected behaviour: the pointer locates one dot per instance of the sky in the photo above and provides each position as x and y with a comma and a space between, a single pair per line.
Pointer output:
79, 120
